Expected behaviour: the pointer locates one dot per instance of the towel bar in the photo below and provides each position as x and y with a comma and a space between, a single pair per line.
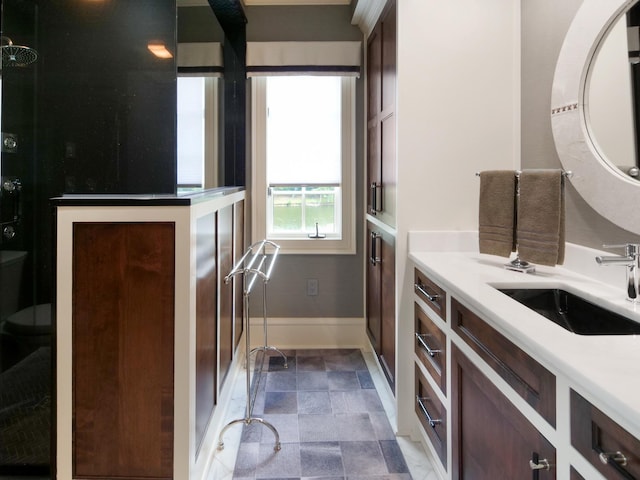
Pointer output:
254, 264
566, 174
518, 264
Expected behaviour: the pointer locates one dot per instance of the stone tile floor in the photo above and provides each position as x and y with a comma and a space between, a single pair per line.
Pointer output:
25, 414
331, 445
331, 421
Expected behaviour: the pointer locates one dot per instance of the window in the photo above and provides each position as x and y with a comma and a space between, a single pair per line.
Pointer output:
304, 162
196, 114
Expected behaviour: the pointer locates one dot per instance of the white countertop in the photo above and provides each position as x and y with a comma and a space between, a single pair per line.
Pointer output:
603, 368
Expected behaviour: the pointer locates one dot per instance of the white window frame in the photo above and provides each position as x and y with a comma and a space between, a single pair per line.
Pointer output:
345, 245
211, 127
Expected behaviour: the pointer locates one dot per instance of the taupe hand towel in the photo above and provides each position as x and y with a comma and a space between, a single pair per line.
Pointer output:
540, 232
497, 212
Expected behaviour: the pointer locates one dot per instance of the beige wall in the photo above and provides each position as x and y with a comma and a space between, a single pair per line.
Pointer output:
458, 112
544, 25
340, 277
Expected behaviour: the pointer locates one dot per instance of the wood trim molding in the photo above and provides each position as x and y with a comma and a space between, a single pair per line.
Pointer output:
366, 14
311, 332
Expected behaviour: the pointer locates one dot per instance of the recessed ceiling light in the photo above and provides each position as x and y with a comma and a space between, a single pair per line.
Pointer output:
159, 50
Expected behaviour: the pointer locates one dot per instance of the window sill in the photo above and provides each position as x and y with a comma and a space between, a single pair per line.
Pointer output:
316, 246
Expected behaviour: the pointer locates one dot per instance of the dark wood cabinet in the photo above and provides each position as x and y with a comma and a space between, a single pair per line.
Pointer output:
432, 294
432, 415
605, 444
144, 332
491, 437
575, 475
381, 181
122, 347
524, 374
381, 128
225, 264
238, 251
380, 292
431, 347
513, 412
206, 324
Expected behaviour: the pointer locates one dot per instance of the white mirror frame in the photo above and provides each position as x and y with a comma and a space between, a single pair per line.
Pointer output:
612, 194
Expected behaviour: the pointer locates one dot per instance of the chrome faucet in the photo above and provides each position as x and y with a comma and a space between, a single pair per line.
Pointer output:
631, 260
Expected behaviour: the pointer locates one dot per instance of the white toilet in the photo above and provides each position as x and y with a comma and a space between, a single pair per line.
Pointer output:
11, 274
22, 331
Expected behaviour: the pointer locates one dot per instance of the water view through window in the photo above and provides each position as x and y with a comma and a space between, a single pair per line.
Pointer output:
304, 155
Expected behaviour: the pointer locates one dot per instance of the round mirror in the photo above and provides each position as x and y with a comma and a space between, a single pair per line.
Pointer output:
612, 94
598, 155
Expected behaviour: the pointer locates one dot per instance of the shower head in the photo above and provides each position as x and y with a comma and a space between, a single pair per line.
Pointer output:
16, 55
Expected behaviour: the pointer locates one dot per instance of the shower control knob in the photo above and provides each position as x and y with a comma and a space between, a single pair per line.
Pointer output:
9, 232
10, 186
10, 142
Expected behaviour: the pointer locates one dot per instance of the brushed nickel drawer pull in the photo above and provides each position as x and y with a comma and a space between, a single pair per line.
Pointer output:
375, 198
432, 421
617, 457
540, 465
374, 258
421, 289
421, 339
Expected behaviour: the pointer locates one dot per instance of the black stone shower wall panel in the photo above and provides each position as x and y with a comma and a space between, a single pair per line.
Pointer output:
107, 105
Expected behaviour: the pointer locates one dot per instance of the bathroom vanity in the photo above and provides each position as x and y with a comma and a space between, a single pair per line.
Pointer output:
146, 331
503, 392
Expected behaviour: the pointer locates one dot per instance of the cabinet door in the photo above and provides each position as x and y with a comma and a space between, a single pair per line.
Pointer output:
388, 306
225, 291
381, 127
374, 69
491, 438
123, 336
374, 280
238, 251
604, 443
387, 120
523, 373
206, 353
381, 319
374, 98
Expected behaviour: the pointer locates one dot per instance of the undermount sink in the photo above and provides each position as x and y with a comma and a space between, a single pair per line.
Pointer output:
572, 312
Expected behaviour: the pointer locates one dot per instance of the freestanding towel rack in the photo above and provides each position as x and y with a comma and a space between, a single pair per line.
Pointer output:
254, 264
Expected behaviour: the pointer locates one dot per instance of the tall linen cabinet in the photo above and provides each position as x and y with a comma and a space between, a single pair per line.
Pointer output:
381, 190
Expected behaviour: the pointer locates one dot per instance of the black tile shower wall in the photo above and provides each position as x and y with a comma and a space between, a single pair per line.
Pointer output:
18, 122
95, 113
107, 105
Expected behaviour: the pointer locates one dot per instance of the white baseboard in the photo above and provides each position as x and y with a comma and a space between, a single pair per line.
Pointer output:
298, 333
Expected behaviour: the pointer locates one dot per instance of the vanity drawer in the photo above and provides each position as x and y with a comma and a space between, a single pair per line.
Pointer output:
432, 415
431, 347
431, 293
594, 435
527, 377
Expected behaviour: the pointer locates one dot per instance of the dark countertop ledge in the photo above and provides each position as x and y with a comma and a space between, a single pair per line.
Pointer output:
147, 199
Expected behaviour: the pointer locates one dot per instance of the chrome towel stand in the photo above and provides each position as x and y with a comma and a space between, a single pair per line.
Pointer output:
254, 264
